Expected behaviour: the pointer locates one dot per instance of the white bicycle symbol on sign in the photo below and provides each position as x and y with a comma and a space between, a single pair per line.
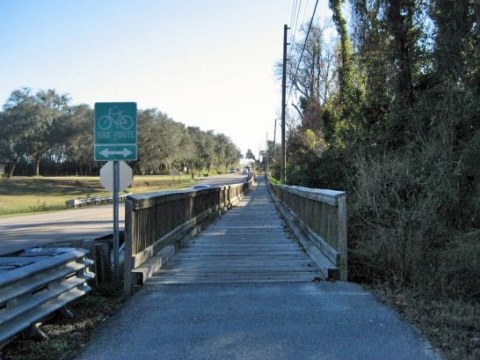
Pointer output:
123, 122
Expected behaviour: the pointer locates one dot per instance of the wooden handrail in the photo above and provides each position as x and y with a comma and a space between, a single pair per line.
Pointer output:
156, 220
322, 216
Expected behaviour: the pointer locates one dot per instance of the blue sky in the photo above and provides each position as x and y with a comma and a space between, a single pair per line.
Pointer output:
206, 63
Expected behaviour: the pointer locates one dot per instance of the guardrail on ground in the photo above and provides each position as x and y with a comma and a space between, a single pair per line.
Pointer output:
37, 282
154, 223
95, 200
319, 219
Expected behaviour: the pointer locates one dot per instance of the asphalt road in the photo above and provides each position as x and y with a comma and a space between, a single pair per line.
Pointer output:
21, 232
226, 179
24, 231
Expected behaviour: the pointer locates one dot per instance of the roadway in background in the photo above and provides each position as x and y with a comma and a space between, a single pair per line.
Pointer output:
24, 231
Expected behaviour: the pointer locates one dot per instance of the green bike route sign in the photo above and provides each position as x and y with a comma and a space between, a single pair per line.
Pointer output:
115, 131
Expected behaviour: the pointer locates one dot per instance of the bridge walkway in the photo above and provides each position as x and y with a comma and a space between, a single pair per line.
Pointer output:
243, 290
249, 244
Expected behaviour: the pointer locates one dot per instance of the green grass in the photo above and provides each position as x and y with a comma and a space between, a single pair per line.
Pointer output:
36, 194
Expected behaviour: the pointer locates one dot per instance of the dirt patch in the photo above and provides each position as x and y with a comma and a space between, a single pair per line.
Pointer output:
451, 325
68, 336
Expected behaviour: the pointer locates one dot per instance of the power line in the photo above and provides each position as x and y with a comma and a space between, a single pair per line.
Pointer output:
293, 11
303, 50
305, 11
294, 22
284, 88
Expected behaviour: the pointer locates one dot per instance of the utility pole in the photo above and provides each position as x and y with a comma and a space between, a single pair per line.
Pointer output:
284, 90
274, 155
266, 154
274, 140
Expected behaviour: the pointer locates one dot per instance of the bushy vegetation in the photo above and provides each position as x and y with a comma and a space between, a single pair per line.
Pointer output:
43, 134
399, 130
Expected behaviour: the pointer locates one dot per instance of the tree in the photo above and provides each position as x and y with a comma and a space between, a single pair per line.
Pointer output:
226, 153
187, 150
31, 118
311, 76
43, 127
312, 73
12, 147
76, 131
371, 60
249, 155
203, 157
206, 147
159, 139
403, 139
345, 65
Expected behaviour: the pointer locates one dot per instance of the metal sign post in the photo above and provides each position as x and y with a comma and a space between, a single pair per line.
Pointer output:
116, 176
116, 228
115, 139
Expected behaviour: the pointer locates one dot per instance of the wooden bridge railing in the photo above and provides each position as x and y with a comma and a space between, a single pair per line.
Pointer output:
155, 221
320, 216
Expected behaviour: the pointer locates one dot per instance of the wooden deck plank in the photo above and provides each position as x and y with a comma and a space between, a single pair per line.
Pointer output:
248, 244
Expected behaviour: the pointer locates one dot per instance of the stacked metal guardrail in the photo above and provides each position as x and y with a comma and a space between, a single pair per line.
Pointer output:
37, 282
96, 200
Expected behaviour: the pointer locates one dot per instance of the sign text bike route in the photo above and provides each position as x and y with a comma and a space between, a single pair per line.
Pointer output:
115, 131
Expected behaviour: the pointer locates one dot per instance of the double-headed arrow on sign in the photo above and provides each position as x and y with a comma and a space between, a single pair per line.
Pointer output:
115, 152
107, 153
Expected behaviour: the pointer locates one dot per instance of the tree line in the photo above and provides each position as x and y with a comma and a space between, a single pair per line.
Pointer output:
43, 134
390, 113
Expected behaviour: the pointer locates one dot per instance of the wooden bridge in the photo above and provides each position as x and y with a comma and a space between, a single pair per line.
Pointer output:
246, 287
250, 243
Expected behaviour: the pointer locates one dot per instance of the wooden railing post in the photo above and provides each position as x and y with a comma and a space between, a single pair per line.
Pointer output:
342, 236
319, 218
128, 248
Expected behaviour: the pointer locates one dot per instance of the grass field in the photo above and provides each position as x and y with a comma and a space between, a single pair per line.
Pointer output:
35, 194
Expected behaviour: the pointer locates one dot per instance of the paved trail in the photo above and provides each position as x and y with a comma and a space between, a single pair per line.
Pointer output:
244, 290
